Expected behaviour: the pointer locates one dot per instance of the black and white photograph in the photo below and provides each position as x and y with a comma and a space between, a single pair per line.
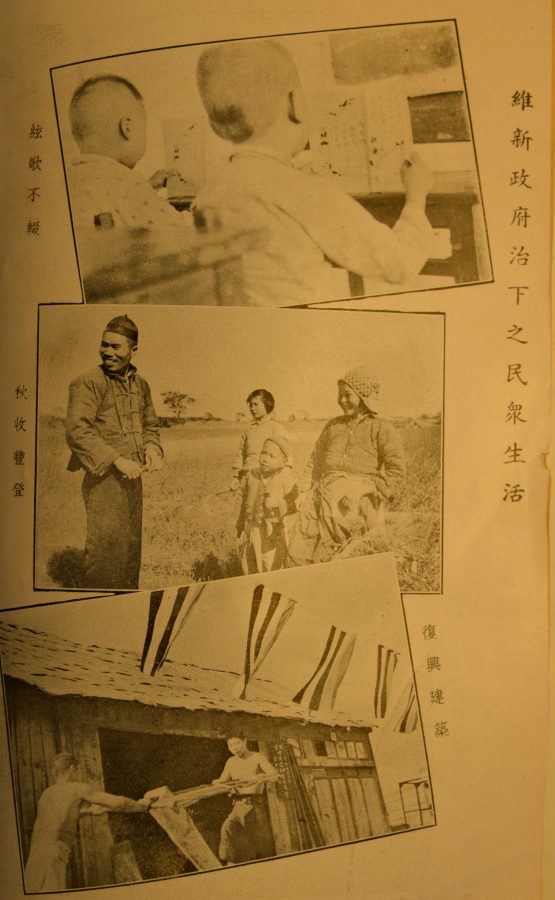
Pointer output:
160, 734
274, 171
210, 443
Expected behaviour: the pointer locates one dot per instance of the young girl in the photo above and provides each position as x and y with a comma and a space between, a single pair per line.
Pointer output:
261, 405
355, 468
269, 494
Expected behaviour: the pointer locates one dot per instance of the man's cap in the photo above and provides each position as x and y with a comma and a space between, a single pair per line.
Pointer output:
125, 326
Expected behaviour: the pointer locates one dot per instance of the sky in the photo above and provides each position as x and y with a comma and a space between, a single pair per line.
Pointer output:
218, 356
360, 595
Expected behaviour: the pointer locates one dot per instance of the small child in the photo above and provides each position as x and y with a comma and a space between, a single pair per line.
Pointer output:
261, 405
269, 494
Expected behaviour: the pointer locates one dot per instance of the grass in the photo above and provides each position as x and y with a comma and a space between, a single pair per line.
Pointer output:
189, 527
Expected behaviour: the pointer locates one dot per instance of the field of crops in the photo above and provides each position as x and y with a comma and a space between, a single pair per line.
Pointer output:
189, 526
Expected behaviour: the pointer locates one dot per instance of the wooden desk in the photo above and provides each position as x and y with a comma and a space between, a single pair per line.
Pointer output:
451, 209
152, 267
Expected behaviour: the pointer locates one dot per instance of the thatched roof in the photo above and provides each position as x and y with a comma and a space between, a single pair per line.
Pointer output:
64, 668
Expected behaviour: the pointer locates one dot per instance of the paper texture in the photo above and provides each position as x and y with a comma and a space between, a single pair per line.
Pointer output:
461, 348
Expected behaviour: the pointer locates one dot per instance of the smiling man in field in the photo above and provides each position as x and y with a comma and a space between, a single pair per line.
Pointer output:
112, 431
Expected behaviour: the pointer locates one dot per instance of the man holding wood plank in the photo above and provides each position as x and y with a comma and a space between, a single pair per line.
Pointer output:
244, 835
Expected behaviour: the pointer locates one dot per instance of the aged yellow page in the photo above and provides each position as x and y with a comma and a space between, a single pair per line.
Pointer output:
274, 611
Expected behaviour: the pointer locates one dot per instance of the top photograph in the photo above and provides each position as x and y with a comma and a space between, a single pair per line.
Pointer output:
274, 171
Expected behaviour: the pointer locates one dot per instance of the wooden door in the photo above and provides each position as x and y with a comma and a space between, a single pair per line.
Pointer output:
348, 801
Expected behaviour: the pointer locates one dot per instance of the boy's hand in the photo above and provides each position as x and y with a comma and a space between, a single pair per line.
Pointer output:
270, 502
153, 459
234, 484
128, 467
417, 178
160, 178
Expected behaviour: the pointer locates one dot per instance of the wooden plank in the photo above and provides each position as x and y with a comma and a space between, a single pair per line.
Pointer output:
48, 732
360, 815
341, 750
24, 776
285, 839
39, 765
374, 805
180, 828
344, 814
326, 763
125, 864
331, 749
326, 809
124, 715
296, 745
351, 750
76, 874
96, 836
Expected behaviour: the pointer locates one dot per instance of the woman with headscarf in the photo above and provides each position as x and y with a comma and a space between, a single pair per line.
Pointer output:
355, 468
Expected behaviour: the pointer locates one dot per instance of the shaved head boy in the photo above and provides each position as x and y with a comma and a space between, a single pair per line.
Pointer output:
253, 97
108, 122
107, 117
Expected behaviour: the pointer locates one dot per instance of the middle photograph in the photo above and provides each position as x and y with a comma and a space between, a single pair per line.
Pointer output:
208, 443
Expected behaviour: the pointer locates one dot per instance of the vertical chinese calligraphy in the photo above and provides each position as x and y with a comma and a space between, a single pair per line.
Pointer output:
34, 164
520, 181
20, 427
436, 695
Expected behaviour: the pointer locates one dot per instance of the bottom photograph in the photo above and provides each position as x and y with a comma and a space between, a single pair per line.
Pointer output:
163, 733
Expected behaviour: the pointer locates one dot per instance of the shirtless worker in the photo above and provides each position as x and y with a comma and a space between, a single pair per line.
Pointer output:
245, 834
55, 828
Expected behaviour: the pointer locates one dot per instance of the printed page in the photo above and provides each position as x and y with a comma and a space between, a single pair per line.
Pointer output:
276, 378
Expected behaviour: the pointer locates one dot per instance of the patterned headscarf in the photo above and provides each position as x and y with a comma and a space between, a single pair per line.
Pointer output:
366, 385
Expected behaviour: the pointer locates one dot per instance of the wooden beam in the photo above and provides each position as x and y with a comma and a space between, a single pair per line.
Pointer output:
180, 828
326, 762
284, 840
96, 836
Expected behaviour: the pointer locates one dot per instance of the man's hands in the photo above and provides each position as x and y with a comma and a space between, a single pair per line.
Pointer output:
131, 469
128, 467
153, 459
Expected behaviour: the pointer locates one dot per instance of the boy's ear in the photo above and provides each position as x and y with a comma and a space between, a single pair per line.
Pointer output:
125, 128
296, 106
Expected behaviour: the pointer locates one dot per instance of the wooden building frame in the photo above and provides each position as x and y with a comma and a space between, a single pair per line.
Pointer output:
61, 696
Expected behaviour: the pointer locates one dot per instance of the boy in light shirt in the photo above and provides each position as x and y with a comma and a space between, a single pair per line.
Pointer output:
252, 94
108, 123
